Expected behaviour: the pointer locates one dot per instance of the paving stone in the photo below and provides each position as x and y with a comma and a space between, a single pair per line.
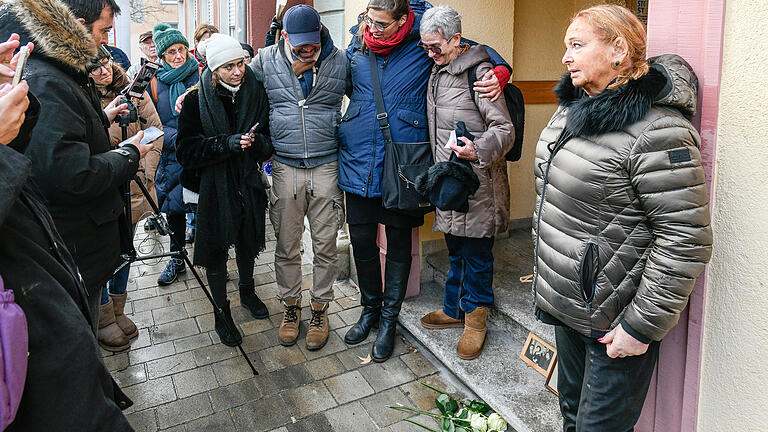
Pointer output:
171, 365
150, 393
347, 289
405, 426
377, 406
309, 399
177, 286
219, 422
278, 357
255, 342
256, 326
189, 295
169, 314
143, 421
142, 293
424, 397
235, 369
146, 282
150, 303
284, 379
116, 362
151, 353
131, 375
143, 340
280, 429
418, 364
190, 343
350, 417
335, 322
214, 353
325, 367
348, 302
262, 415
198, 307
234, 395
194, 381
314, 423
183, 410
391, 373
351, 357
268, 290
142, 319
274, 305
334, 345
348, 387
205, 322
174, 330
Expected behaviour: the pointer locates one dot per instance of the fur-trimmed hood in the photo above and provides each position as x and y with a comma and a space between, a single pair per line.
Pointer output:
669, 82
51, 26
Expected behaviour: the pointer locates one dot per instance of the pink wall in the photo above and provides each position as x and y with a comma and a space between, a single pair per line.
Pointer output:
694, 30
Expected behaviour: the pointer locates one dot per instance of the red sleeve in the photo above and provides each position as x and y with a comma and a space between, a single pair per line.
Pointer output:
502, 73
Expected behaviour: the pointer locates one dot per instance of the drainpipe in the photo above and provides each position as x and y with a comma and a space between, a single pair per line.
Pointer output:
242, 21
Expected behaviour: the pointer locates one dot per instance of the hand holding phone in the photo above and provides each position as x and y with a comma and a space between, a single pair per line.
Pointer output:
21, 63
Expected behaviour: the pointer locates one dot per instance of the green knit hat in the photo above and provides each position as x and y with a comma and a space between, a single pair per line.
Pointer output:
164, 36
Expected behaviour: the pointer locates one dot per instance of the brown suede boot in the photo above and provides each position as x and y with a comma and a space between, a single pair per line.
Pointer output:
317, 335
439, 320
125, 323
289, 328
473, 338
111, 337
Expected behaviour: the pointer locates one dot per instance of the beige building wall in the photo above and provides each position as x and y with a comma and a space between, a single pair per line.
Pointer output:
734, 377
155, 12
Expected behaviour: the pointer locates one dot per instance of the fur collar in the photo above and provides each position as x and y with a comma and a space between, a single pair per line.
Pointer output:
611, 110
55, 31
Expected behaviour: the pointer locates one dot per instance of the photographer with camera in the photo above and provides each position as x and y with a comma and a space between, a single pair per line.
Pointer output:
74, 167
115, 329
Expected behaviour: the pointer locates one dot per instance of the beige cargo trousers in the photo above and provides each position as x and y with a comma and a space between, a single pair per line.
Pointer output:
314, 193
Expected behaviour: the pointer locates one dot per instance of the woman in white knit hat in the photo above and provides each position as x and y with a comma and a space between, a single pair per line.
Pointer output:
223, 137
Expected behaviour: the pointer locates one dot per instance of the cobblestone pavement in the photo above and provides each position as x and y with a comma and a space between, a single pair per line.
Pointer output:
182, 379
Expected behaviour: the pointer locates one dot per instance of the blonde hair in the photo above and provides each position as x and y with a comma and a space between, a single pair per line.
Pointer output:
611, 22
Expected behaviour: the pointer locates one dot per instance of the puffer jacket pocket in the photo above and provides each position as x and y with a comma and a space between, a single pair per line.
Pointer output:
590, 266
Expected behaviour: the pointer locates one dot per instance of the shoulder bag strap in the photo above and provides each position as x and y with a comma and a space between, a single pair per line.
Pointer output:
381, 110
153, 89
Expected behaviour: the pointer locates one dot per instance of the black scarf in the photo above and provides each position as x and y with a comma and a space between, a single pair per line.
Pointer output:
232, 198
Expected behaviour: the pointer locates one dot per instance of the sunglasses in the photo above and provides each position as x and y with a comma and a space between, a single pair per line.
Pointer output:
380, 27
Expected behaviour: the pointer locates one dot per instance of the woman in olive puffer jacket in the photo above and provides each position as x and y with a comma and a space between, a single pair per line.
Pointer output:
622, 224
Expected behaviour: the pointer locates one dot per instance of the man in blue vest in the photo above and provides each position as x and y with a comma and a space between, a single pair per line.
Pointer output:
305, 76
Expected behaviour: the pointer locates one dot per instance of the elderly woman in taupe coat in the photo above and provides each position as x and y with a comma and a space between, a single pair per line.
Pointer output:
469, 236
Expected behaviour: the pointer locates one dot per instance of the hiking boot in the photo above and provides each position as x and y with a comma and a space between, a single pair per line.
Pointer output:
317, 335
172, 271
472, 340
125, 323
252, 302
111, 337
289, 328
226, 328
440, 320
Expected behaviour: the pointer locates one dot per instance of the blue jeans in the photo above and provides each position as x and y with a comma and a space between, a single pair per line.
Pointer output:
119, 282
470, 279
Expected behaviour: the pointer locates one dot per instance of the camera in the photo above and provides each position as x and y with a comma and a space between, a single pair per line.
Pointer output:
133, 113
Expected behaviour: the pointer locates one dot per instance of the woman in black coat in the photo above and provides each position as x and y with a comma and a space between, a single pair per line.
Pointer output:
220, 161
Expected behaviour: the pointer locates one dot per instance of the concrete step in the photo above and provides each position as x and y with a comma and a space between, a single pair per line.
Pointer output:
498, 376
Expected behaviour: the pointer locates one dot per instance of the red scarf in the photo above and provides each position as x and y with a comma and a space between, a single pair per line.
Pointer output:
385, 47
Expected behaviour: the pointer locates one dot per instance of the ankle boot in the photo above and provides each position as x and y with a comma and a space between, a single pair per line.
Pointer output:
473, 338
317, 335
226, 327
125, 323
395, 285
111, 337
369, 279
252, 302
289, 328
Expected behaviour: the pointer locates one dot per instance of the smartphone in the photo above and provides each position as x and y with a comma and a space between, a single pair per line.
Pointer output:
253, 129
150, 134
23, 55
140, 83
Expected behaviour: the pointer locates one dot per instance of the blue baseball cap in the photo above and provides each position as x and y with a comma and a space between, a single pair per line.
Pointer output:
302, 24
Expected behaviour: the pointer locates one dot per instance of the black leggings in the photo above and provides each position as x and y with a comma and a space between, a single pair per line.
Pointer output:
178, 224
217, 274
363, 238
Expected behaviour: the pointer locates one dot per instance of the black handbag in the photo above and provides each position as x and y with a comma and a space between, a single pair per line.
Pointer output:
403, 162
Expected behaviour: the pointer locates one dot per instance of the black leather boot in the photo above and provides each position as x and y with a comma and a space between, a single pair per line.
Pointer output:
252, 302
226, 327
395, 286
369, 279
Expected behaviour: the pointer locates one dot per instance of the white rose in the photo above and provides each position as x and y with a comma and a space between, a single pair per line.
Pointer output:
496, 423
479, 423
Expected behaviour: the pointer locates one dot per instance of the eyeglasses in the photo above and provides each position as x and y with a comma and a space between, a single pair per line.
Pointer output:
435, 49
173, 53
100, 68
374, 24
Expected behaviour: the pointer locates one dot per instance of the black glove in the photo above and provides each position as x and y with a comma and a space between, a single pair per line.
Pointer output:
233, 143
461, 131
276, 26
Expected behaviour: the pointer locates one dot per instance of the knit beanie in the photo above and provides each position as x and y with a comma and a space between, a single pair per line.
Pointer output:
164, 36
220, 49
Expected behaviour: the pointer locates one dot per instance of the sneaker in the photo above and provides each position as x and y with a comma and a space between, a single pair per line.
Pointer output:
172, 271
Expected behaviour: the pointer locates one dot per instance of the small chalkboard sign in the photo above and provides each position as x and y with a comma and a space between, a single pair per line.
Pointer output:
539, 354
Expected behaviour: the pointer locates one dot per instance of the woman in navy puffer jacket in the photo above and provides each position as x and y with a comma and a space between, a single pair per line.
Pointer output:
389, 28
